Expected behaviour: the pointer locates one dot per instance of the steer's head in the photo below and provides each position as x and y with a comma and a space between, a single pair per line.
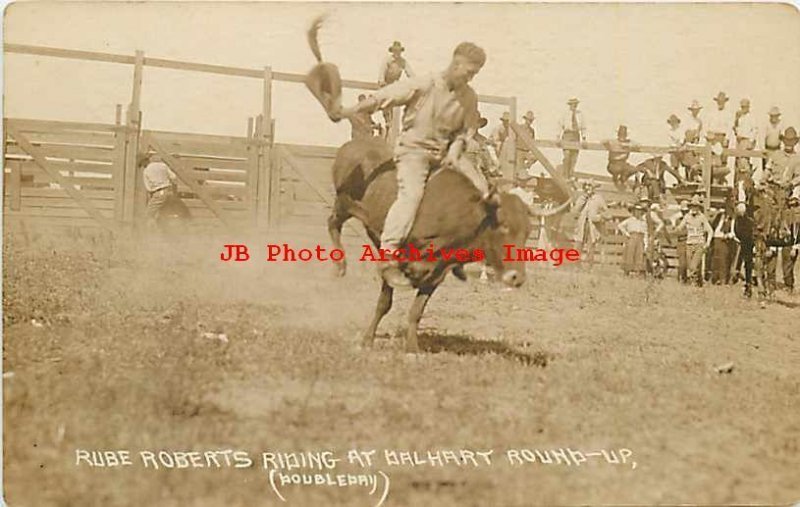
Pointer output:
508, 225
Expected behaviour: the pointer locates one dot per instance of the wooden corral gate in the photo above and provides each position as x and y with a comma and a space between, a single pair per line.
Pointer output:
69, 173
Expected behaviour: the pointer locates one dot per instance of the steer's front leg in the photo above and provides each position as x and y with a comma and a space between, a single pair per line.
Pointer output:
414, 316
381, 309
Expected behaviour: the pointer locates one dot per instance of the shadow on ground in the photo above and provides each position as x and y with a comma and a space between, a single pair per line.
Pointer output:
465, 345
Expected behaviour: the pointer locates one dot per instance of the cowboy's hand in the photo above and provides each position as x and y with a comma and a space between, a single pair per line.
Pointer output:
450, 161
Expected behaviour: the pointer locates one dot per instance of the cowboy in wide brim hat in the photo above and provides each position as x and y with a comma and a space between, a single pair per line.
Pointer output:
774, 111
506, 116
790, 136
573, 101
721, 97
529, 116
396, 47
694, 106
684, 205
673, 120
590, 184
622, 133
695, 202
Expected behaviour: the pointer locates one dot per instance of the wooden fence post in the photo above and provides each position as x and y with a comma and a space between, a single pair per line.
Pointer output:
253, 150
133, 129
120, 143
707, 175
14, 182
274, 184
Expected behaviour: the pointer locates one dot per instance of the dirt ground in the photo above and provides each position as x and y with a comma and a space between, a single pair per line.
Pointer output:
116, 345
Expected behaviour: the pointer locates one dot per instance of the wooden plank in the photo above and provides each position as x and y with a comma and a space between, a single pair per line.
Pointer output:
226, 205
214, 175
28, 125
66, 152
29, 167
15, 217
62, 212
57, 178
64, 202
214, 163
170, 136
218, 192
71, 138
204, 149
185, 175
530, 145
92, 195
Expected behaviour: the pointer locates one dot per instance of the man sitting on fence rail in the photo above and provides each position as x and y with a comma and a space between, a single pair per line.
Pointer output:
161, 186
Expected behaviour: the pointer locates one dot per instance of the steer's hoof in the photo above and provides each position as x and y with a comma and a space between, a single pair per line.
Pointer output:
340, 269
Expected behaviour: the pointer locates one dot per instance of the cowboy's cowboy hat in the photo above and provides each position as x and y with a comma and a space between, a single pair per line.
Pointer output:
774, 111
506, 116
721, 97
790, 135
529, 115
573, 100
396, 46
744, 102
622, 132
684, 205
695, 106
695, 202
673, 119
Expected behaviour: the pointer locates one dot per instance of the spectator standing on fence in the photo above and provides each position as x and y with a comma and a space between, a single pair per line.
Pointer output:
592, 209
504, 141
695, 122
718, 125
161, 186
634, 228
572, 128
392, 69
698, 238
618, 154
772, 133
527, 158
675, 140
746, 132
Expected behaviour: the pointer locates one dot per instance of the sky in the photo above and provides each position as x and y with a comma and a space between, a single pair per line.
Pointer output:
631, 64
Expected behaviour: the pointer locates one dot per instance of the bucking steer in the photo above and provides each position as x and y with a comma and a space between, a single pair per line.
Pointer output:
451, 216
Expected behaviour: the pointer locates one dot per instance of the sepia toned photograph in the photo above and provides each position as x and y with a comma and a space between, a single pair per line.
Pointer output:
400, 254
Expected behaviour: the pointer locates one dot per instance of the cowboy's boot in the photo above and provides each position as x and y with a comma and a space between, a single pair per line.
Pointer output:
391, 274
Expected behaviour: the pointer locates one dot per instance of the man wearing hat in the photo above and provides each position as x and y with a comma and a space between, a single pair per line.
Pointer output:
718, 124
618, 154
680, 238
695, 122
527, 160
772, 133
441, 116
745, 130
675, 138
698, 238
503, 139
591, 212
572, 128
786, 167
478, 153
392, 68
362, 125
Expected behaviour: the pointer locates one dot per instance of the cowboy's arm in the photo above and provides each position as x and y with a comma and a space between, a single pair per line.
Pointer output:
622, 227
398, 93
407, 68
382, 72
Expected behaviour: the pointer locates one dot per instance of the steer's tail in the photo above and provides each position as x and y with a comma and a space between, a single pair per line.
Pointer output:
312, 37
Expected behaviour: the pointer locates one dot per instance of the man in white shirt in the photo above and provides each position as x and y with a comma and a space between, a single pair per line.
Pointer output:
718, 125
160, 183
746, 132
392, 69
572, 128
695, 122
772, 133
675, 139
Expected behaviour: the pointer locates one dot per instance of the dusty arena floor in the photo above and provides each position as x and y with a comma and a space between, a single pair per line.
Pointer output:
125, 347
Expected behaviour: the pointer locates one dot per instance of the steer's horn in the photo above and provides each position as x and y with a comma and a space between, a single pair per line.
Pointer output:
539, 211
